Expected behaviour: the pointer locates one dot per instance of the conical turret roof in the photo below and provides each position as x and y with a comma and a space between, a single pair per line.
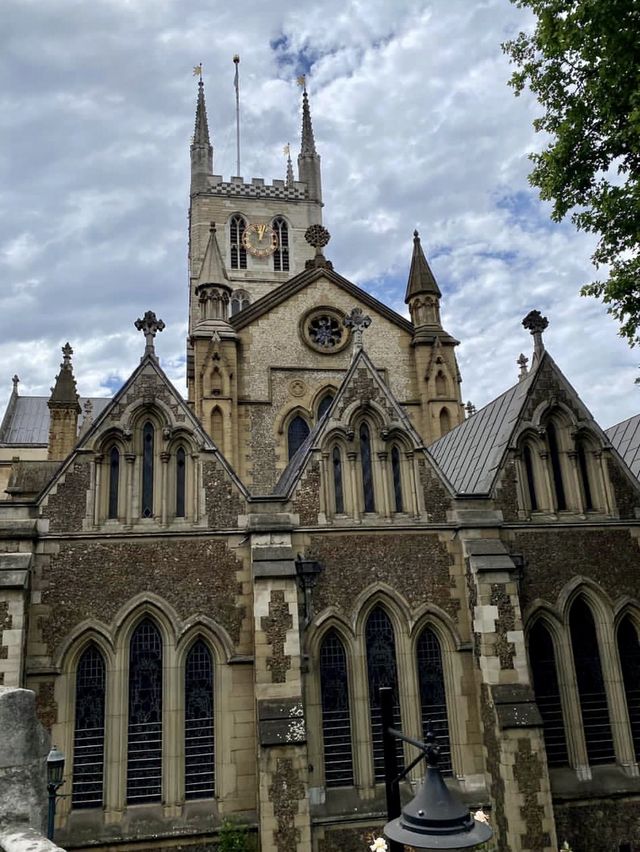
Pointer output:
65, 393
201, 130
421, 278
212, 270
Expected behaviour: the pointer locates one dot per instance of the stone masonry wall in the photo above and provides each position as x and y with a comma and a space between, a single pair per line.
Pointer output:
67, 505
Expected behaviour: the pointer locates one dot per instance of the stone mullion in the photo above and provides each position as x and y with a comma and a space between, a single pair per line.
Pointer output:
570, 702
172, 739
355, 491
130, 459
384, 476
115, 740
576, 479
326, 504
97, 491
413, 484
606, 485
361, 724
550, 499
164, 487
194, 509
409, 699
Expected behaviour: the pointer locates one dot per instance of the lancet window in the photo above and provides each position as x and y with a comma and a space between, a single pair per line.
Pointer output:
181, 482
237, 228
144, 755
240, 300
396, 474
381, 671
114, 482
547, 691
88, 740
336, 716
296, 434
367, 469
556, 468
147, 469
281, 254
324, 404
199, 742
530, 476
629, 653
433, 700
338, 490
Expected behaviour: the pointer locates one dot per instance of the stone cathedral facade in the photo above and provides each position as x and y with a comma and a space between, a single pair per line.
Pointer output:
206, 593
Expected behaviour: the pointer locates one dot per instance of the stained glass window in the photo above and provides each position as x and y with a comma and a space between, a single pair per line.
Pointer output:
199, 743
397, 479
336, 718
547, 692
367, 469
181, 470
381, 671
238, 251
554, 455
433, 700
147, 470
281, 254
88, 746
114, 481
591, 689
325, 402
531, 483
629, 651
144, 756
336, 458
297, 434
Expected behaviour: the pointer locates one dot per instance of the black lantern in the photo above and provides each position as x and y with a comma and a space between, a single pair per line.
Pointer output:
434, 818
55, 774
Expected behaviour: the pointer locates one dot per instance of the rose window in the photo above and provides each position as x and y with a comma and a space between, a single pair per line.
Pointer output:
325, 331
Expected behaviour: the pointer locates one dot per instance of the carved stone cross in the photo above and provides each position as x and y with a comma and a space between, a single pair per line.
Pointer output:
149, 325
522, 363
357, 321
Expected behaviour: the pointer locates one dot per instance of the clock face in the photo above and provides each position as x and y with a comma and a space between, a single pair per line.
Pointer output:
260, 240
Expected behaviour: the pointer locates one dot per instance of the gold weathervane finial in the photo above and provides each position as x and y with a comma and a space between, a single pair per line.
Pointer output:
302, 81
197, 70
287, 150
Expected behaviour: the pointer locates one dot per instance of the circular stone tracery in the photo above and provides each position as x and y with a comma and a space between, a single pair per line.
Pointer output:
322, 329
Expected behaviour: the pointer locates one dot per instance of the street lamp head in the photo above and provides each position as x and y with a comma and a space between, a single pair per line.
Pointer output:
55, 767
434, 819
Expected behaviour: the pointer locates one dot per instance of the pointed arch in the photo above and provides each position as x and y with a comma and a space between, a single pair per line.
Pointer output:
217, 428
628, 644
240, 300
297, 433
366, 465
281, 254
89, 729
199, 731
444, 420
382, 670
324, 401
237, 227
336, 715
441, 383
544, 675
433, 697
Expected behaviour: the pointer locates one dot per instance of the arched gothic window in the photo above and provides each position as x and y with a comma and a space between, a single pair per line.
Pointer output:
147, 469
181, 481
114, 482
531, 482
88, 743
433, 700
591, 689
238, 251
381, 671
240, 300
547, 692
336, 718
325, 402
556, 468
199, 742
583, 467
367, 469
396, 473
296, 434
144, 755
338, 493
281, 254
629, 652
445, 421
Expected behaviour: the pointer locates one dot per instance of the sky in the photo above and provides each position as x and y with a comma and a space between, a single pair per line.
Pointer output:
416, 126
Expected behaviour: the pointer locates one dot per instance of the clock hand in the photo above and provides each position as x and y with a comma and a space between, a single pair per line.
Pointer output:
261, 230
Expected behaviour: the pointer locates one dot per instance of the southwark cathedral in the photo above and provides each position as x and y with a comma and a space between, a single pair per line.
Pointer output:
206, 593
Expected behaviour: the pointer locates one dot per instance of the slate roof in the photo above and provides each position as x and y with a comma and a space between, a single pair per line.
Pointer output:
27, 419
625, 437
470, 454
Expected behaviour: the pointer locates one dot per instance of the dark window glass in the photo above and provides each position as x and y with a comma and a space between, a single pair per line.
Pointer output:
238, 251
325, 402
88, 746
584, 476
239, 301
382, 671
297, 434
199, 743
397, 479
147, 470
336, 719
547, 692
144, 757
336, 458
554, 455
593, 698
629, 651
181, 470
531, 483
114, 481
367, 470
433, 700
281, 254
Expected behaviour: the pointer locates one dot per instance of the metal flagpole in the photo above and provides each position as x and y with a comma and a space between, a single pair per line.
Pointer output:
236, 83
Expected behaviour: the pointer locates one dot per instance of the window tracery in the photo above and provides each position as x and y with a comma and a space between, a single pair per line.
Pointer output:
199, 742
433, 699
240, 300
88, 741
237, 227
336, 716
144, 752
281, 254
381, 671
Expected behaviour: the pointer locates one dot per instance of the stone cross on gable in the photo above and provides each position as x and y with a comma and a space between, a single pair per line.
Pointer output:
522, 363
357, 321
149, 325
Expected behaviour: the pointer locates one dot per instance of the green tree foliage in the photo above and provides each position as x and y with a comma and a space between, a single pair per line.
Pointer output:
234, 838
582, 61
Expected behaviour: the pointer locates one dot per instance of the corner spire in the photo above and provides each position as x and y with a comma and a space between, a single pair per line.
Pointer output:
201, 148
64, 392
308, 143
290, 178
212, 270
64, 408
421, 278
308, 158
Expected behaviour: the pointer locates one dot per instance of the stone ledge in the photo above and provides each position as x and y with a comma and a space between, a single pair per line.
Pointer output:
16, 838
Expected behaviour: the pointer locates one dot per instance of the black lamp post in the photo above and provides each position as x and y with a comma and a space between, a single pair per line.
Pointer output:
55, 773
434, 818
